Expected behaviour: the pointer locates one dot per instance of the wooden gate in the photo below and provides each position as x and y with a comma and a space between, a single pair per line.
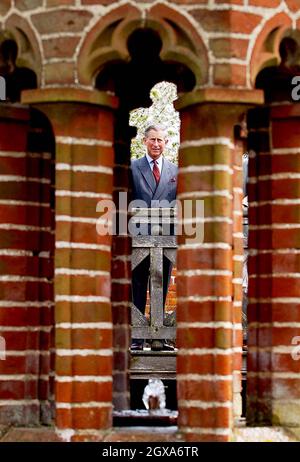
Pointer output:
160, 223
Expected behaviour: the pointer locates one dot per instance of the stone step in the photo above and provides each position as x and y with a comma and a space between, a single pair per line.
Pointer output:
157, 364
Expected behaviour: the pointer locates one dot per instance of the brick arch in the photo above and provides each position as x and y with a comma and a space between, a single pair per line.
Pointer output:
266, 48
106, 42
19, 29
98, 48
186, 44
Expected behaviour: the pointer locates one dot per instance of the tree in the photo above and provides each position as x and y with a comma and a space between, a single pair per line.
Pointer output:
161, 112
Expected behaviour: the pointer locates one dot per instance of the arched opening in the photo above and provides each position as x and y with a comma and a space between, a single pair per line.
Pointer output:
276, 80
27, 260
131, 81
154, 154
266, 48
17, 78
144, 47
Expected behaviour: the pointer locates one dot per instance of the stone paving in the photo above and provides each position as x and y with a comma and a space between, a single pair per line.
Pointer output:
264, 435
145, 434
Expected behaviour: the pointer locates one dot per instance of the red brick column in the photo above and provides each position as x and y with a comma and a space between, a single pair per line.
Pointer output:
273, 383
26, 261
83, 127
205, 317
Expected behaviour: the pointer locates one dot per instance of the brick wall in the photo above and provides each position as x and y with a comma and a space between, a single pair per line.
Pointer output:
223, 35
225, 44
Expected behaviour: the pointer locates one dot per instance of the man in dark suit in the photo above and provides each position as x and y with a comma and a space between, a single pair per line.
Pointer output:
154, 179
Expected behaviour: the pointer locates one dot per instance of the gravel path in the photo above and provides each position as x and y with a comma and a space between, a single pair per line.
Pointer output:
263, 435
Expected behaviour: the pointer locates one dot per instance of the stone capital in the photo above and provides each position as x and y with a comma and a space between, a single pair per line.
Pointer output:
213, 112
220, 96
73, 112
69, 95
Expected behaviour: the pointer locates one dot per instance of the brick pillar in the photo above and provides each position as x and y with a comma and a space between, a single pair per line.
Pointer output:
26, 261
205, 316
273, 383
83, 126
121, 284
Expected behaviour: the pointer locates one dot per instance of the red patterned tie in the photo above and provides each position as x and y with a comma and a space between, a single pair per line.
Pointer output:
156, 171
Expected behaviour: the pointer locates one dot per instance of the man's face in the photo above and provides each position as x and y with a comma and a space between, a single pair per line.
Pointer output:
155, 143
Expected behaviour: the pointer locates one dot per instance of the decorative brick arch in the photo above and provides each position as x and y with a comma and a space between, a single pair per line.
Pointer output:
186, 44
19, 29
115, 28
266, 49
93, 53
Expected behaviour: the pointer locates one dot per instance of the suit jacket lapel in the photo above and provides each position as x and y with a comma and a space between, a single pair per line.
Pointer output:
164, 179
147, 173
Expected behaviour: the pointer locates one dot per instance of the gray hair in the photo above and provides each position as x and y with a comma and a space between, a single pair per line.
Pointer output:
157, 128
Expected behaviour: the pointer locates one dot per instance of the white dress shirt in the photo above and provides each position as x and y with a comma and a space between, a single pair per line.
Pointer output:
159, 162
